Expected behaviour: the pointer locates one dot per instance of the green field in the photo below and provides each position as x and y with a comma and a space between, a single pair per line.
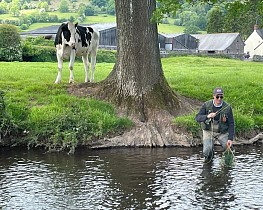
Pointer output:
101, 18
45, 110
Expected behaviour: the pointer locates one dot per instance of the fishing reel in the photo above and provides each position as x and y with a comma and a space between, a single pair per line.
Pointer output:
208, 121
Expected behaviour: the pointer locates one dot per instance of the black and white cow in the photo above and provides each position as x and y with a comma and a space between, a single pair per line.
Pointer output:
73, 40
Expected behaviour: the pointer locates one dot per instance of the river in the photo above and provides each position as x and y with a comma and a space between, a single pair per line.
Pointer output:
130, 178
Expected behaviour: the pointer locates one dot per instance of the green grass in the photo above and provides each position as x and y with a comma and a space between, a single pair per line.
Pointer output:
195, 77
40, 25
170, 29
101, 18
50, 116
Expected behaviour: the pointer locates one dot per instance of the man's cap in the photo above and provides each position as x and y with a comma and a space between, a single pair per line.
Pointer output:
218, 91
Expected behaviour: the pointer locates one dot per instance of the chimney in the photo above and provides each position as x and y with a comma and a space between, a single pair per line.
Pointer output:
255, 27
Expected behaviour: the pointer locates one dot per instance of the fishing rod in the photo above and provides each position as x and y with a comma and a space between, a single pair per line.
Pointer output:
223, 108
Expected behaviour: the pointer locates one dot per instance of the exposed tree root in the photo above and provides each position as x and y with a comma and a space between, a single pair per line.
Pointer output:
158, 131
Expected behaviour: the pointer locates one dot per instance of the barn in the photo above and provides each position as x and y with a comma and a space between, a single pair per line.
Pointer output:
221, 43
230, 44
107, 34
108, 37
177, 42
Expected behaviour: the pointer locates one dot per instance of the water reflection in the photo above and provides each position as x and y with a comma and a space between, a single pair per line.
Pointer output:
163, 178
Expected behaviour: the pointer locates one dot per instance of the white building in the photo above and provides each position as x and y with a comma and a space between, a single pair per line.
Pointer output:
254, 43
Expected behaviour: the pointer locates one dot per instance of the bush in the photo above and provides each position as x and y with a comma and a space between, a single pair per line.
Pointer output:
24, 26
106, 56
39, 53
10, 46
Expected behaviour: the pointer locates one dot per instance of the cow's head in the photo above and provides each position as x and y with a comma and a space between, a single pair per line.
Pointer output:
70, 34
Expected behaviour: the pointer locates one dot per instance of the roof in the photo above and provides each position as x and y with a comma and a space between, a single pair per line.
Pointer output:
54, 28
220, 41
260, 33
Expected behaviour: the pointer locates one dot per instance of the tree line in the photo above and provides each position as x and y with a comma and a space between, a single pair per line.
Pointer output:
213, 16
195, 16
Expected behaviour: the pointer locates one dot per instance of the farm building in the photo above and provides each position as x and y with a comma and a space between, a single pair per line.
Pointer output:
221, 43
254, 43
178, 42
107, 34
108, 37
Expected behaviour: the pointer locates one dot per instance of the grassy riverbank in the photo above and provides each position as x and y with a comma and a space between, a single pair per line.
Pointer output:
46, 114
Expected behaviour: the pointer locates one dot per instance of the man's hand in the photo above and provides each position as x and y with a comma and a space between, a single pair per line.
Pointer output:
211, 115
229, 143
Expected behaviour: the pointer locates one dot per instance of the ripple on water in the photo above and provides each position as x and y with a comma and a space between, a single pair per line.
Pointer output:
131, 179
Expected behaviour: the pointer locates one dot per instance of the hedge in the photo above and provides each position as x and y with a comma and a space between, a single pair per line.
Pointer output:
42, 50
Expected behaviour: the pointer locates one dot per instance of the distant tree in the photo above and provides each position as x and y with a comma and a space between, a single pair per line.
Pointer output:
99, 3
191, 29
192, 15
89, 10
15, 8
243, 15
201, 22
71, 19
10, 46
64, 6
111, 7
43, 5
3, 7
215, 22
81, 9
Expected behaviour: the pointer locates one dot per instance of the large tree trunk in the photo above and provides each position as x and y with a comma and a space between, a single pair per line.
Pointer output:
137, 81
137, 84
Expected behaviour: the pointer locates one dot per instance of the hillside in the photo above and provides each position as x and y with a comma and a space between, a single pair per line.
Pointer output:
25, 23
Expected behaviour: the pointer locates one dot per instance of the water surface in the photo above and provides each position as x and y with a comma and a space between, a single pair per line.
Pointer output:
159, 178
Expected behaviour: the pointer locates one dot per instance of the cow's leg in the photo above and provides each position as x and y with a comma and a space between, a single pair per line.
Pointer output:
93, 64
85, 60
71, 65
60, 64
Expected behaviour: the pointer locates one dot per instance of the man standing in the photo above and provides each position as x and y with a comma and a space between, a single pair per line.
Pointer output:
217, 121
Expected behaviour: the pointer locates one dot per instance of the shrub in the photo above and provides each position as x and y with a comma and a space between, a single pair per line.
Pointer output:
64, 6
38, 53
10, 46
24, 26
106, 56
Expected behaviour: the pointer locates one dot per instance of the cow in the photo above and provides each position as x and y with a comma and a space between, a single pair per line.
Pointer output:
74, 40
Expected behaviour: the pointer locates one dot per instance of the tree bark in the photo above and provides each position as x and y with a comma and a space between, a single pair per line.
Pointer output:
137, 81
